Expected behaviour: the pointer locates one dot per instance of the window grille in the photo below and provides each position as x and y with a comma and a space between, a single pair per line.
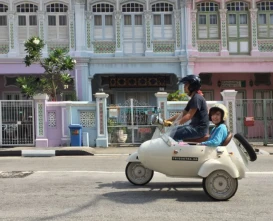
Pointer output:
162, 7
103, 8
132, 7
3, 8
27, 8
56, 7
237, 6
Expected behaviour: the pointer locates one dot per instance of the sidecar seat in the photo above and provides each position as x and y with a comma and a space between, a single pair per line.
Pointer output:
228, 139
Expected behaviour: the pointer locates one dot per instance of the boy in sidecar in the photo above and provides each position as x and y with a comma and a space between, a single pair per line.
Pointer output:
218, 114
196, 111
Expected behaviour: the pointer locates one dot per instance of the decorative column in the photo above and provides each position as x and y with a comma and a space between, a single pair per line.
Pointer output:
229, 98
254, 43
119, 40
41, 19
162, 103
177, 21
223, 24
193, 43
40, 101
79, 27
89, 36
148, 30
101, 113
71, 31
183, 66
89, 89
12, 42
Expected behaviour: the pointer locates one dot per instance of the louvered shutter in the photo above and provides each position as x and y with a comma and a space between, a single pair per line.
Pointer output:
213, 32
243, 31
262, 31
202, 31
232, 31
4, 33
109, 32
139, 32
63, 33
98, 32
52, 33
127, 32
139, 47
157, 32
168, 32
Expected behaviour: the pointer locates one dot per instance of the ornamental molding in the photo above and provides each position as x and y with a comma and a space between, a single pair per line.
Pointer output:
118, 15
148, 15
89, 15
253, 14
193, 15
80, 2
177, 14
230, 59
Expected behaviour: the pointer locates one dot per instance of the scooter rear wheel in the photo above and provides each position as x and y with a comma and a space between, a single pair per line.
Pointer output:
219, 185
137, 174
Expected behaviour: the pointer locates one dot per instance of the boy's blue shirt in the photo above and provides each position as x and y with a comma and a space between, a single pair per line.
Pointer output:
217, 136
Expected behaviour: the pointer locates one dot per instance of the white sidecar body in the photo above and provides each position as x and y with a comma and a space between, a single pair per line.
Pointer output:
219, 167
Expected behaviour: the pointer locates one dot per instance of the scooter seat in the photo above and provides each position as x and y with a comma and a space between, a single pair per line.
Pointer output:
197, 140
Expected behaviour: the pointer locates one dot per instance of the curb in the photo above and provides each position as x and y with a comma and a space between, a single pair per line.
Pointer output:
44, 153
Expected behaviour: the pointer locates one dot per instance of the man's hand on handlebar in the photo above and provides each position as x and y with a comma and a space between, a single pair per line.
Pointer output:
167, 123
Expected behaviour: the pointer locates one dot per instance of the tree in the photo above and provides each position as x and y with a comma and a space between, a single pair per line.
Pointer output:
56, 66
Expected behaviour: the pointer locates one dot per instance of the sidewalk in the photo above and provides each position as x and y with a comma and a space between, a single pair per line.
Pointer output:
88, 151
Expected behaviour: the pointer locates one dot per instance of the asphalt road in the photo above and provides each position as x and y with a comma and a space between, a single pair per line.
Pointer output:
95, 188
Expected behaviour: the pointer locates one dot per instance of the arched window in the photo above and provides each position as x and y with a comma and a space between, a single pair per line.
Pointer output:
238, 27
162, 20
103, 21
265, 19
133, 30
27, 23
207, 20
3, 16
57, 21
237, 6
132, 7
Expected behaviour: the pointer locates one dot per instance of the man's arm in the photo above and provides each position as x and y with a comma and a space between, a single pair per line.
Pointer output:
187, 116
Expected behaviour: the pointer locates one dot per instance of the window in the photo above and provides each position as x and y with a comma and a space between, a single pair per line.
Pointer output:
3, 17
57, 22
132, 7
265, 19
237, 6
22, 20
162, 20
208, 20
103, 21
260, 96
27, 8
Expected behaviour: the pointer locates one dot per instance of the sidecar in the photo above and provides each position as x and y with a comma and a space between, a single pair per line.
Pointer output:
220, 167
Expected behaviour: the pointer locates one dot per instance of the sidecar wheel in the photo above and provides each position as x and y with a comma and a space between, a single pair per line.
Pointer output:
219, 185
137, 174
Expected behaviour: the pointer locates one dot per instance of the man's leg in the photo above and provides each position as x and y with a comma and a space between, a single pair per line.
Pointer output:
186, 132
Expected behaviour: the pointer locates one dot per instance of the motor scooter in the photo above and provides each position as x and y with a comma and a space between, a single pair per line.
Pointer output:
220, 167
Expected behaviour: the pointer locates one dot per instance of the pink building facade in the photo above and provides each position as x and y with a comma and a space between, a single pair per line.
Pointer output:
230, 45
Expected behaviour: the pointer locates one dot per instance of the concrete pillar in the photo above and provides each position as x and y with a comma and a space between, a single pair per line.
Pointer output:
162, 103
177, 21
101, 114
40, 101
254, 36
41, 21
223, 16
80, 27
229, 98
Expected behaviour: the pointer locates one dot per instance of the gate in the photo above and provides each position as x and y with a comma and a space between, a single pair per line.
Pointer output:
262, 111
17, 123
129, 123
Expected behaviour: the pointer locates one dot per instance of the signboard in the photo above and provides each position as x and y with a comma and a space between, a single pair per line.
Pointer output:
233, 84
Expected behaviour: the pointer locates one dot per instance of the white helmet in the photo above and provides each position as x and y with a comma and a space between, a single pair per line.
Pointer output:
222, 108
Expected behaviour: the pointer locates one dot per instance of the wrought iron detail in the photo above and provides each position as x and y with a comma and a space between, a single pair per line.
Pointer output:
208, 46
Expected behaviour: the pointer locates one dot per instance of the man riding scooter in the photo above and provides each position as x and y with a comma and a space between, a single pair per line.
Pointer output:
196, 111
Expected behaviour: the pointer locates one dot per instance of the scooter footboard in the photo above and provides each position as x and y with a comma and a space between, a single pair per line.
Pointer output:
133, 157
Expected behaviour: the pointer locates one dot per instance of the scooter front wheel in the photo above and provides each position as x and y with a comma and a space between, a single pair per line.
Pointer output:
137, 174
219, 185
